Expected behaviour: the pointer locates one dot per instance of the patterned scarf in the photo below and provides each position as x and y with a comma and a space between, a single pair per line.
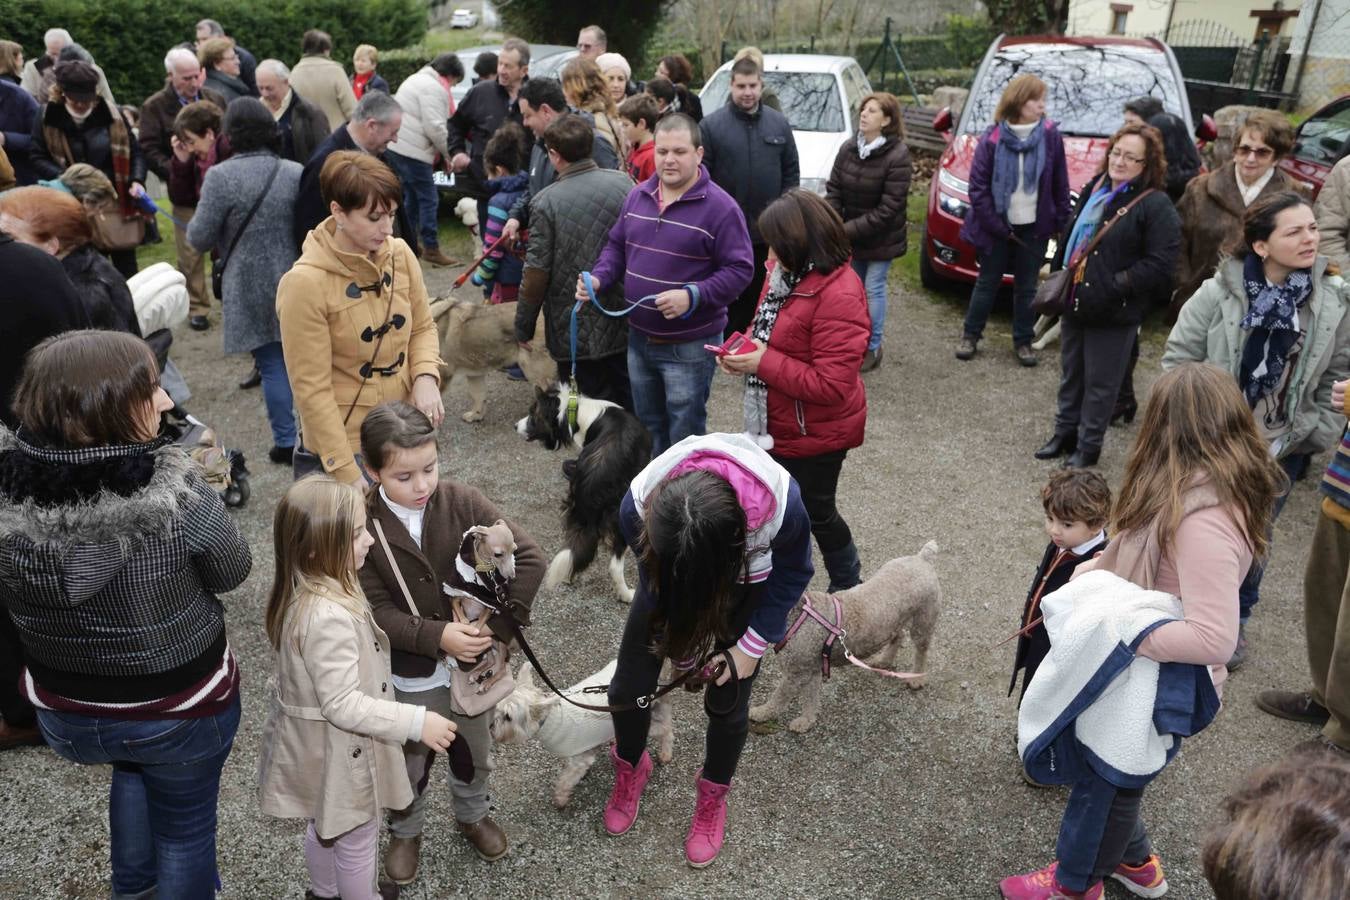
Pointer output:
1014, 153
756, 401
866, 147
119, 144
1090, 219
1272, 319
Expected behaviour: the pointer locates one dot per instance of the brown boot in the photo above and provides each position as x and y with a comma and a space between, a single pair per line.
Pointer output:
400, 860
434, 256
487, 838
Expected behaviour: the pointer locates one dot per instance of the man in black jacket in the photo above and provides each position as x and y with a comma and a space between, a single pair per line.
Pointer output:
39, 301
750, 153
482, 111
301, 125
373, 126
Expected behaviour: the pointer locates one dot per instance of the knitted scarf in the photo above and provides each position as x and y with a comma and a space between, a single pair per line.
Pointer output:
756, 401
1012, 156
1272, 318
119, 143
865, 147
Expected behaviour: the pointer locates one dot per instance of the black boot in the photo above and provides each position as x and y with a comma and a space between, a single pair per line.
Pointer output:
844, 567
1059, 445
1082, 458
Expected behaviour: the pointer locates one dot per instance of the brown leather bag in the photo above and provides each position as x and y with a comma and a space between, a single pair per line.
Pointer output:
113, 231
1052, 294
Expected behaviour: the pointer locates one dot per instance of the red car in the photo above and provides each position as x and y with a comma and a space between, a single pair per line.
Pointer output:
1089, 80
1323, 138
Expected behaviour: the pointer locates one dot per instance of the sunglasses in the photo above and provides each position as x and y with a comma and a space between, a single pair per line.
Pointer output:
1257, 152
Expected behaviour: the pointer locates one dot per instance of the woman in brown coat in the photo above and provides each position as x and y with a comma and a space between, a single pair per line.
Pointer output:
869, 187
356, 329
1214, 203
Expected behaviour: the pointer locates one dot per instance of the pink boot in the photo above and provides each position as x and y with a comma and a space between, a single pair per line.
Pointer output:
629, 780
710, 821
1044, 885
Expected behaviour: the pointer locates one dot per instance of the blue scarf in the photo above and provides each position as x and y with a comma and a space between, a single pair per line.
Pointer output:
1272, 319
1010, 152
1090, 219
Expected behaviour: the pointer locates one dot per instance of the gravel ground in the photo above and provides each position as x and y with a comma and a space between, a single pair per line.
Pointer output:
894, 794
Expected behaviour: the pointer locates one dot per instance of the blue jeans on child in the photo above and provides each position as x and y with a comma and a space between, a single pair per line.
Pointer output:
165, 782
670, 383
1101, 829
276, 391
1025, 260
1249, 592
420, 197
873, 273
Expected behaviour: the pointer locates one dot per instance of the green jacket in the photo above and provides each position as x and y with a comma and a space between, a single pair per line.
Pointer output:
1209, 329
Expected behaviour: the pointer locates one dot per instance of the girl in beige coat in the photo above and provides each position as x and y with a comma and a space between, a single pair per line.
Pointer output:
332, 748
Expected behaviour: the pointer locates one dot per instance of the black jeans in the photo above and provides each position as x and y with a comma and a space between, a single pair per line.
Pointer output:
741, 312
1093, 359
605, 378
727, 706
818, 478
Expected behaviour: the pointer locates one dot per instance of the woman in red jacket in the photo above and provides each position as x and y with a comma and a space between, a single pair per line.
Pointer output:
804, 397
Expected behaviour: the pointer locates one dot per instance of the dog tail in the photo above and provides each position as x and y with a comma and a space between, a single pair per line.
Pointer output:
928, 551
559, 570
440, 307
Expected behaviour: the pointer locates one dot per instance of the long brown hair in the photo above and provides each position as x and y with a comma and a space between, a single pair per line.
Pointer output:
9, 58
693, 552
312, 532
1155, 161
584, 85
1197, 424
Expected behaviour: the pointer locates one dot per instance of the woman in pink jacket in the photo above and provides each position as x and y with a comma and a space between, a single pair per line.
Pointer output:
1192, 514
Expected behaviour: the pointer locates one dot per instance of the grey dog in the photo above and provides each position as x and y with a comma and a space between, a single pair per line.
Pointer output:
902, 596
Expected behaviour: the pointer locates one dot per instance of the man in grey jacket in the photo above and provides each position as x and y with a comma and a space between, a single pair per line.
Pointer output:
749, 151
569, 224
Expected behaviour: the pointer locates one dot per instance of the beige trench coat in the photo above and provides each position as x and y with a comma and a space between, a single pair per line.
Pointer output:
332, 747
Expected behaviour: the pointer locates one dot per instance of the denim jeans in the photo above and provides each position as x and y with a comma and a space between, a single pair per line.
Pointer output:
670, 384
1025, 260
420, 197
1249, 592
1100, 830
162, 809
873, 273
276, 391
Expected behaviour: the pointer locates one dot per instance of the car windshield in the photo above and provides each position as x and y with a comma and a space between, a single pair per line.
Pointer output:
1322, 137
810, 100
1087, 86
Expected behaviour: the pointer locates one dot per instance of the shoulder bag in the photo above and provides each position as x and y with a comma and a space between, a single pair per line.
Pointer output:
1052, 295
218, 267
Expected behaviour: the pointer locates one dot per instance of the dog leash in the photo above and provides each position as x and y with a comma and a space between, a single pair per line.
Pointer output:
459, 282
836, 631
1030, 623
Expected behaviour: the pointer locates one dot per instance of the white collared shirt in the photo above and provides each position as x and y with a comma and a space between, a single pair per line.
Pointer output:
412, 521
411, 518
1250, 193
1091, 542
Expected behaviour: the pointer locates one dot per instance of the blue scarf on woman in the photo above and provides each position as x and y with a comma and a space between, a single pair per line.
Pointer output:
1011, 151
1272, 318
1090, 219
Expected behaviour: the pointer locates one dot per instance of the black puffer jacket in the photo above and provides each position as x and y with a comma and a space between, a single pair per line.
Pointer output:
569, 225
751, 156
110, 562
870, 195
103, 290
1130, 271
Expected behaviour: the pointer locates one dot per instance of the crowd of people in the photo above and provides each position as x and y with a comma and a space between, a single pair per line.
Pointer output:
657, 243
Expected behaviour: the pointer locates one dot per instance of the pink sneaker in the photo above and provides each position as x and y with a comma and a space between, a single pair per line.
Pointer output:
629, 780
710, 821
1042, 885
1146, 880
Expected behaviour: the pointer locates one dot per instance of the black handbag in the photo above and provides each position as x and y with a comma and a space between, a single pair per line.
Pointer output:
218, 267
1052, 294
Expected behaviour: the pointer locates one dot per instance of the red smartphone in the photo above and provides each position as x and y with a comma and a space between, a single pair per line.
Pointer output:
735, 344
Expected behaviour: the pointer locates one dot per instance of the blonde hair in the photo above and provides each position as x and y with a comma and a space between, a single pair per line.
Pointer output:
1197, 424
213, 51
89, 185
312, 532
1020, 90
584, 87
368, 51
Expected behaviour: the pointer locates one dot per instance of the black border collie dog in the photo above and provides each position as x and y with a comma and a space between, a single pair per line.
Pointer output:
614, 449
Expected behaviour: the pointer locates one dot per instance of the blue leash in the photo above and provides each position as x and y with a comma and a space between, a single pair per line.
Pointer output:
649, 300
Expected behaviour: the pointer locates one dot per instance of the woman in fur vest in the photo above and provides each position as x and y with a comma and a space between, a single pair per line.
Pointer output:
804, 398
869, 188
113, 552
357, 293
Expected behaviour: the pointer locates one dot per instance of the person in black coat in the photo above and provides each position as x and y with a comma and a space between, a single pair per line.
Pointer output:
39, 301
1183, 159
750, 152
1077, 503
1128, 273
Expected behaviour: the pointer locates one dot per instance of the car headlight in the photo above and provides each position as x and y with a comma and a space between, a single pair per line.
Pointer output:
952, 205
948, 180
814, 185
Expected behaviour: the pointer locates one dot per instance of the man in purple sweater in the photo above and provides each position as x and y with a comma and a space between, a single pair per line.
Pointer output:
683, 249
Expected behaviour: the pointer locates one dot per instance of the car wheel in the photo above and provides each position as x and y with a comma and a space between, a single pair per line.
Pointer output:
928, 276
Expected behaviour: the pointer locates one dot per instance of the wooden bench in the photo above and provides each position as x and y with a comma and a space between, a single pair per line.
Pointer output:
919, 132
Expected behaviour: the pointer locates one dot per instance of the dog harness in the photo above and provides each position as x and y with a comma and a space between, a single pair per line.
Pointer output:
835, 631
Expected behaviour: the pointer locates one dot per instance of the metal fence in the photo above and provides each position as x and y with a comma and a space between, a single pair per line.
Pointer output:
1223, 68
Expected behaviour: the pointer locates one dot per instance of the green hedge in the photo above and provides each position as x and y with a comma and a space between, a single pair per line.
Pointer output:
129, 38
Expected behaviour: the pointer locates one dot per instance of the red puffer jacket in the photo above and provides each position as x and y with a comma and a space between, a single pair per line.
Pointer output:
816, 399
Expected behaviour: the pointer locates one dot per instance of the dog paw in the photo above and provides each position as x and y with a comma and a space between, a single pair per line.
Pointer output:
801, 725
665, 754
626, 597
472, 416
760, 713
561, 799
915, 684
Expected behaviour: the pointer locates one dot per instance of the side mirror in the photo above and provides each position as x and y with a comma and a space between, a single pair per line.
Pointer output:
942, 122
1207, 130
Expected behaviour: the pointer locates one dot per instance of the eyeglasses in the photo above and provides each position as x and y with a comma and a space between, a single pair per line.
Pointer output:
1126, 157
1258, 152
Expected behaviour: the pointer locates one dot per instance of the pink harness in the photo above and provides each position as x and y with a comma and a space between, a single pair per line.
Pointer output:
835, 631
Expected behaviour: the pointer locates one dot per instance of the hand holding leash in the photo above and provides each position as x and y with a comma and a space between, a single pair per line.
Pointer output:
745, 666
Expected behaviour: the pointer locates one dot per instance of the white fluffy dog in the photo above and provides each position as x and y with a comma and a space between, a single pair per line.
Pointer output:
577, 735
467, 210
